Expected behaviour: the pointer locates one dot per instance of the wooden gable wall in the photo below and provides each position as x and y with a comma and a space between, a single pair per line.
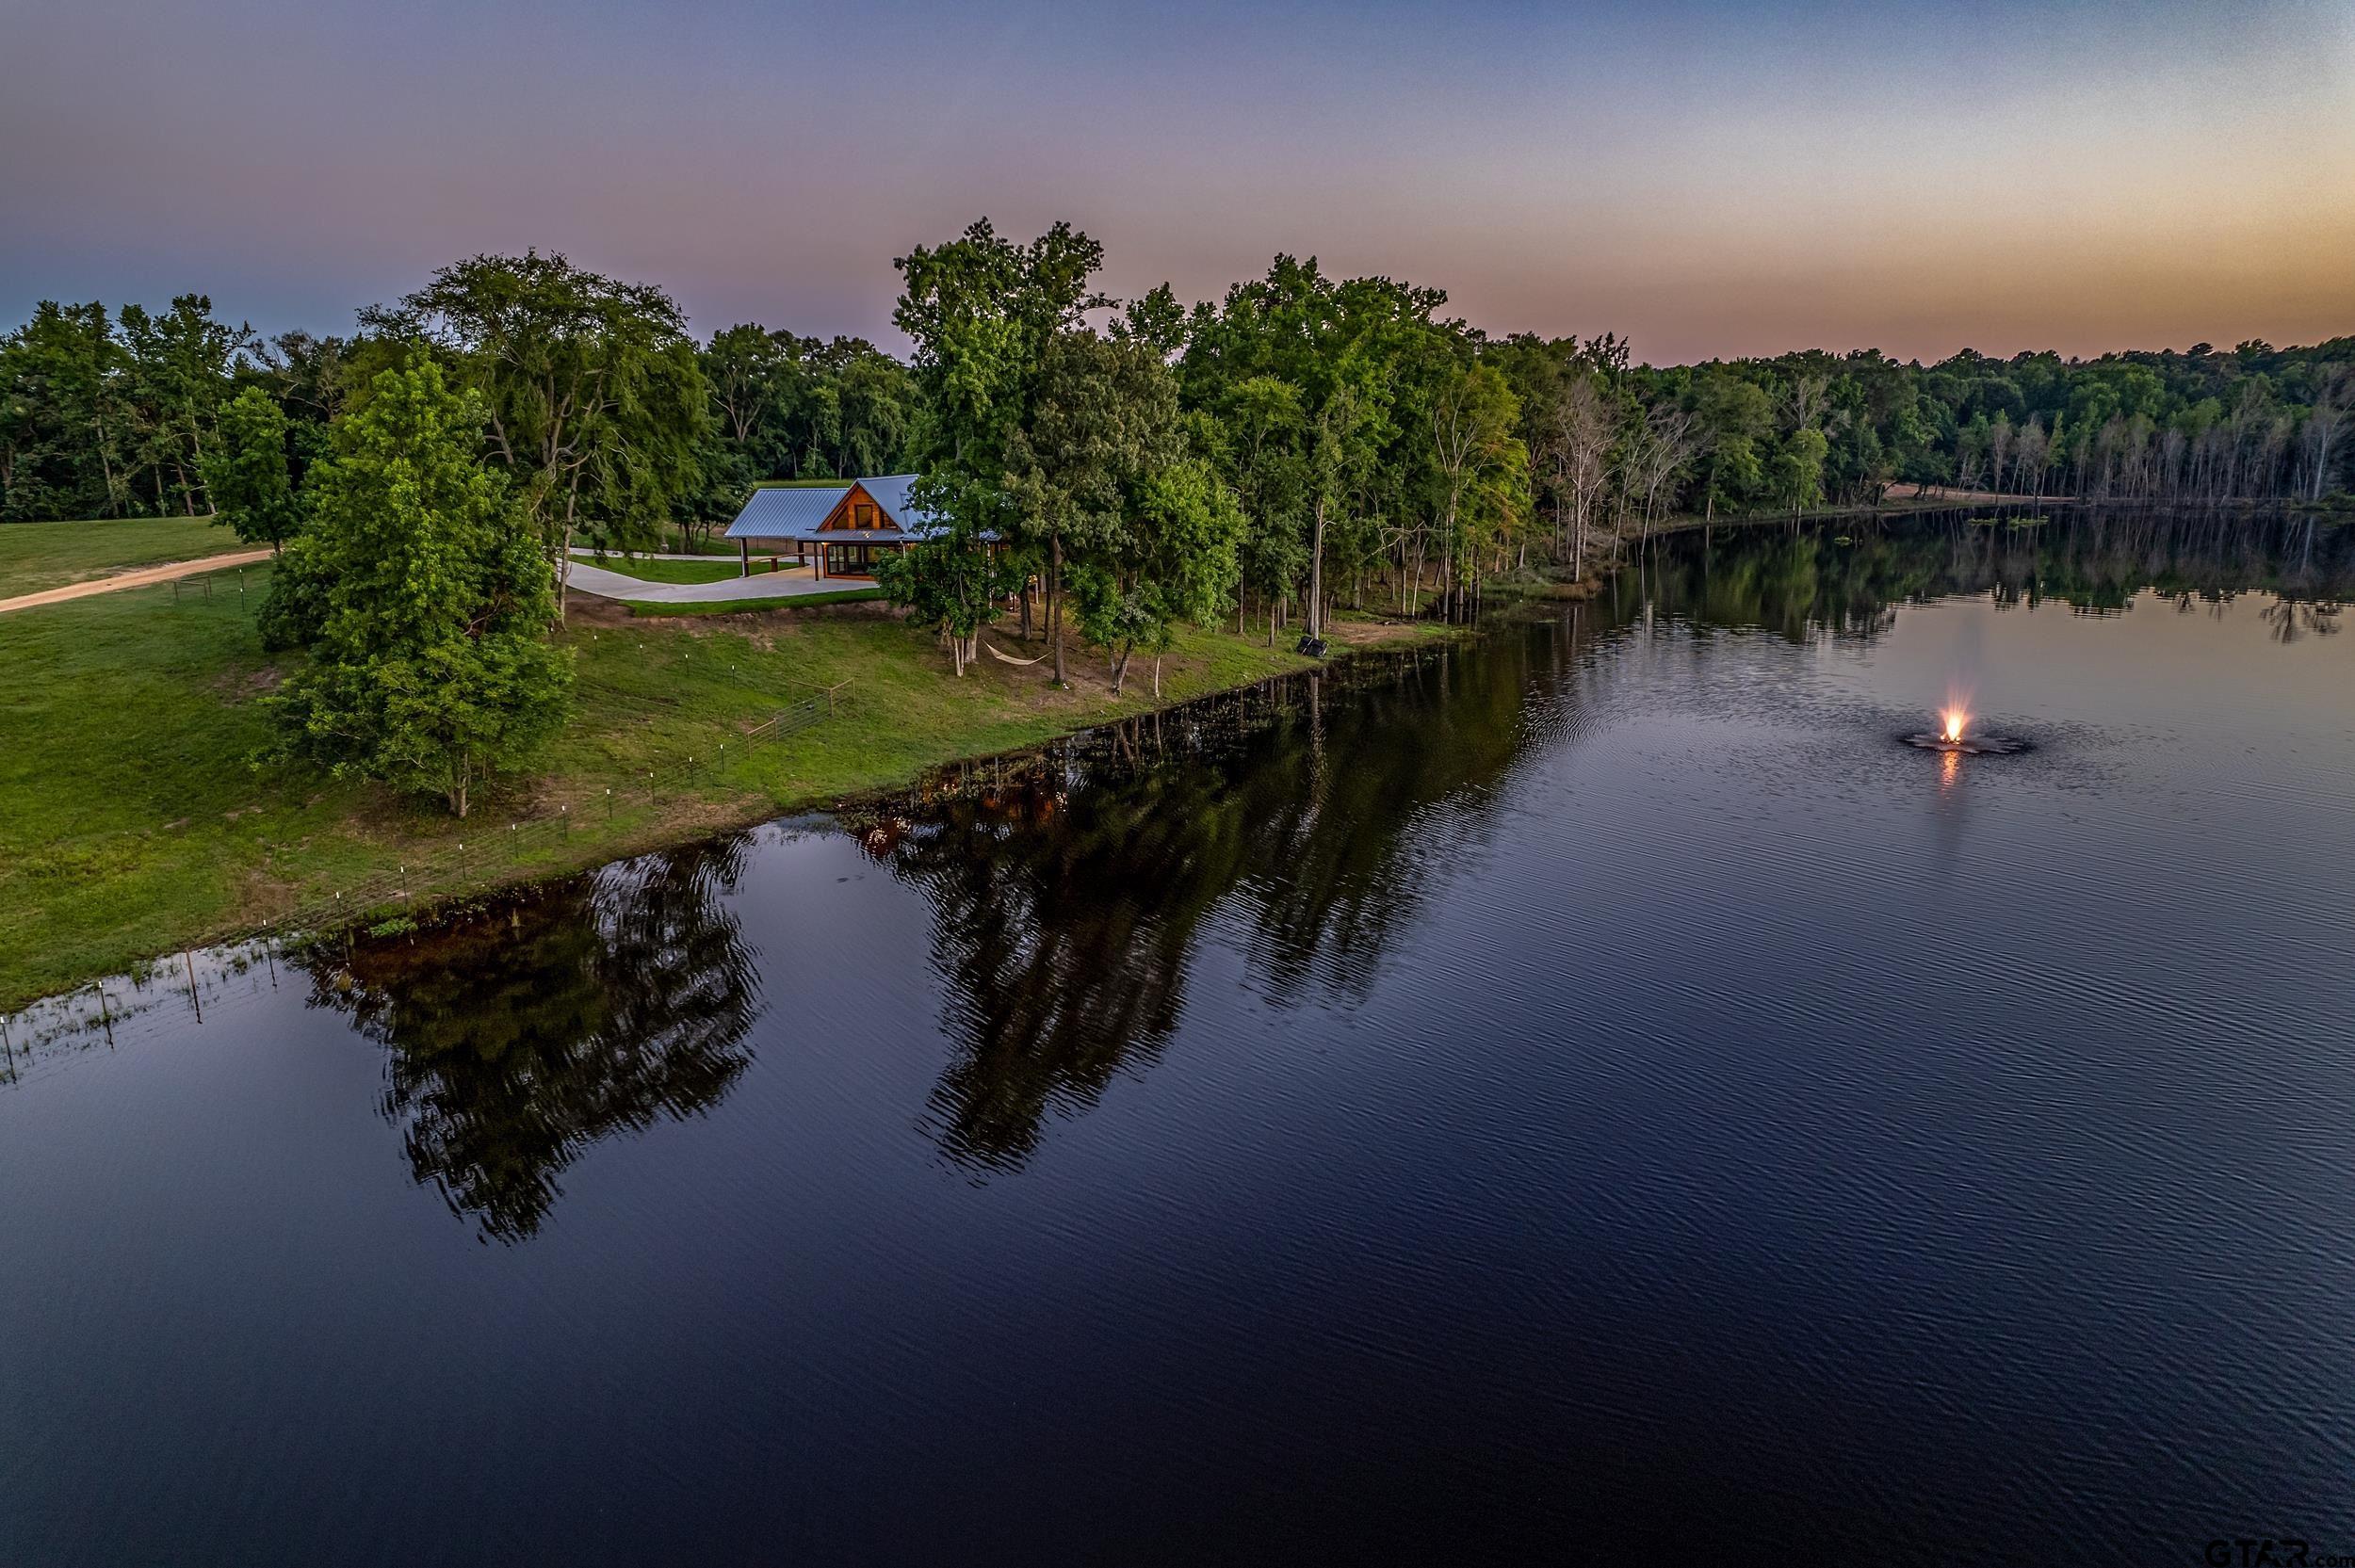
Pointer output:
844, 518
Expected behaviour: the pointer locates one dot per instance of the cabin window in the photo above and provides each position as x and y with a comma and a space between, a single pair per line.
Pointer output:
866, 516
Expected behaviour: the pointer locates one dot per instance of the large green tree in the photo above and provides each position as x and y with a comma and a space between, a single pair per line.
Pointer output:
593, 399
986, 314
1103, 423
427, 602
246, 471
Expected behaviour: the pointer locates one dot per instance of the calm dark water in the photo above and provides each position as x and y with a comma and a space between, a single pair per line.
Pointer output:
1588, 1091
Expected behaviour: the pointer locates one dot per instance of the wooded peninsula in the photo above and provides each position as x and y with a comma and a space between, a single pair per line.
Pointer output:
1190, 483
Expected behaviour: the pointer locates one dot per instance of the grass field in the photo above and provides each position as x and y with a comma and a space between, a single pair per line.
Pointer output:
744, 606
35, 556
132, 823
650, 571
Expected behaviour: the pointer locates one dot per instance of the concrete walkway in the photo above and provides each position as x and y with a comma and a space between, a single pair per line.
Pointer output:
791, 583
140, 578
580, 552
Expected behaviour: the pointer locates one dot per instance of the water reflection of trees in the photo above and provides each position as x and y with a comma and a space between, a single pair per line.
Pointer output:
1799, 582
1069, 891
591, 1008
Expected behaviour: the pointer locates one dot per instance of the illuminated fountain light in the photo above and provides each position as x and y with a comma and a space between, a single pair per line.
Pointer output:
1953, 735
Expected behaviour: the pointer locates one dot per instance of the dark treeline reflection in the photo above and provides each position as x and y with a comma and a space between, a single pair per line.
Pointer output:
1848, 577
590, 1007
1068, 889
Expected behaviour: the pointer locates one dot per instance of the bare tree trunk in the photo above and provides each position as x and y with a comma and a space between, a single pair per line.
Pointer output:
1316, 573
1054, 603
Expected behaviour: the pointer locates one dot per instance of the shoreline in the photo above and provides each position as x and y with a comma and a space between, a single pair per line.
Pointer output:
700, 806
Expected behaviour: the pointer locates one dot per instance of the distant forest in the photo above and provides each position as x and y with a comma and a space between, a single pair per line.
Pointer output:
109, 413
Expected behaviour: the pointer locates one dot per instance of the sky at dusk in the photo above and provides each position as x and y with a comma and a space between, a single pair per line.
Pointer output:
1710, 180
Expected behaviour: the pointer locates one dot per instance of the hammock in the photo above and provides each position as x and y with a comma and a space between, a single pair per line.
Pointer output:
1007, 658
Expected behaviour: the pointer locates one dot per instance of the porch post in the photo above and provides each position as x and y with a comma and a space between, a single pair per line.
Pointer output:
744, 552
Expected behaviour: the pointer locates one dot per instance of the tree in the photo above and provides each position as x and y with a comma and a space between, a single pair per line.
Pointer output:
431, 667
954, 583
1800, 468
2334, 387
64, 429
246, 474
1735, 415
1484, 469
1174, 560
176, 376
592, 397
1103, 421
1585, 432
984, 315
1663, 444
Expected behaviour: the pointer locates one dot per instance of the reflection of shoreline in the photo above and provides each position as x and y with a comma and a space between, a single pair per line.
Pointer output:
99, 1015
1798, 583
1069, 886
516, 1039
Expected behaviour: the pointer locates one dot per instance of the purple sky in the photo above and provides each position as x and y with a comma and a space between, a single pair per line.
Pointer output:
1710, 179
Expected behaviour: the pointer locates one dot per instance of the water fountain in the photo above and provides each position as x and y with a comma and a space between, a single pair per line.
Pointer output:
1953, 735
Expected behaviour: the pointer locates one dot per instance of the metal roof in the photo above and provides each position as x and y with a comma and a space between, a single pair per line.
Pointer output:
785, 512
890, 491
795, 511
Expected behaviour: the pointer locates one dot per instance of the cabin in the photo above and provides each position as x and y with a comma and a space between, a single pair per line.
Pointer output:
836, 530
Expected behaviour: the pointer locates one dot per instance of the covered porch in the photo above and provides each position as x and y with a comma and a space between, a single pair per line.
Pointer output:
824, 559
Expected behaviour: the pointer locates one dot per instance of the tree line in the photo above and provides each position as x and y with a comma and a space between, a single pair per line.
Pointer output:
110, 413
1120, 466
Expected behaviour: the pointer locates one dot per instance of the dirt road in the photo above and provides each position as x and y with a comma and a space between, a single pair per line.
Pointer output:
140, 578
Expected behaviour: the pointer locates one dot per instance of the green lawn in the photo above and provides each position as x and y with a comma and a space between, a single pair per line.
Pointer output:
650, 571
35, 556
742, 606
130, 823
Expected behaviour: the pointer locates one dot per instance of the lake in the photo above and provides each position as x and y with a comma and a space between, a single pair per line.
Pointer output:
1590, 1089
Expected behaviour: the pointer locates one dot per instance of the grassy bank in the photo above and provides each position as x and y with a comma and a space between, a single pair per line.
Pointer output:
132, 823
751, 606
650, 570
38, 555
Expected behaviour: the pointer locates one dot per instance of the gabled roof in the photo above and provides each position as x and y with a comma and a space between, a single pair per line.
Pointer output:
792, 511
795, 511
890, 491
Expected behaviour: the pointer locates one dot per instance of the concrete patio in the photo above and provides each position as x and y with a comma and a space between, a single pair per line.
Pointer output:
791, 582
